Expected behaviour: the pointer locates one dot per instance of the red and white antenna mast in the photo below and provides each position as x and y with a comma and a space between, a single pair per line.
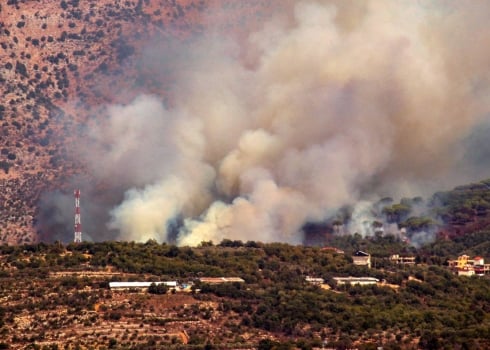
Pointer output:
78, 224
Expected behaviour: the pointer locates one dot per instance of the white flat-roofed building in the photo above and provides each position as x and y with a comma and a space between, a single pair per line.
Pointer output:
333, 249
363, 281
139, 285
466, 271
217, 280
314, 280
403, 260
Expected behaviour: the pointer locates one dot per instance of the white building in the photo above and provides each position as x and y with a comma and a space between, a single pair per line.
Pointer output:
361, 258
218, 280
314, 280
139, 285
402, 260
362, 281
466, 271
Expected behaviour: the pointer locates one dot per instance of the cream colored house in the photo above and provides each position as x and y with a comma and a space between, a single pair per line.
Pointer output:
361, 258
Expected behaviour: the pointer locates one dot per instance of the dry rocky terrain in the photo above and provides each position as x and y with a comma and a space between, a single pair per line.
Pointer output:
60, 61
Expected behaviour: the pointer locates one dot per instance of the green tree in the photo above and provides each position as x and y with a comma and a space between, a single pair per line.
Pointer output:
158, 288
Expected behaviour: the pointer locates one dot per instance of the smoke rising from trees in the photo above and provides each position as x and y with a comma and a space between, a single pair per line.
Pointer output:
328, 104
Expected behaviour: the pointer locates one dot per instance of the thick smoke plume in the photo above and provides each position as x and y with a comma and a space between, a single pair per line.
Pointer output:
329, 103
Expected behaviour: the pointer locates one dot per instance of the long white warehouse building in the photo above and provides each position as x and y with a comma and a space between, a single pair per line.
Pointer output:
139, 285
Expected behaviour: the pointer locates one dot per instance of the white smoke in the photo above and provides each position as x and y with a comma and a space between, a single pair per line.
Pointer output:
362, 219
324, 109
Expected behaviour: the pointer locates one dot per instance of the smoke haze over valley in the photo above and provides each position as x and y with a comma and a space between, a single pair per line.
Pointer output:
248, 136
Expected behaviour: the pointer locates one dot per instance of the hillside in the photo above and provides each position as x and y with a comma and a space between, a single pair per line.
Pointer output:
246, 122
57, 296
62, 60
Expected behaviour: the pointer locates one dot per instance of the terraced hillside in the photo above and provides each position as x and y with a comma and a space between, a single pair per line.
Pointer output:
55, 296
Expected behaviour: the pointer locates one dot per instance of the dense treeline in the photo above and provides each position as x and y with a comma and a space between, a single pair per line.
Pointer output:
464, 203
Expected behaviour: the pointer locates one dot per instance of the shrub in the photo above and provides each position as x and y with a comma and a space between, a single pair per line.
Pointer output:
5, 166
158, 288
21, 69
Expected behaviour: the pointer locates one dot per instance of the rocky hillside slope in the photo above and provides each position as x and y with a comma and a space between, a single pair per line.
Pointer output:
60, 60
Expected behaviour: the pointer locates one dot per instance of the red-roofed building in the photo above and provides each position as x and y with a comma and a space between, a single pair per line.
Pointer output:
478, 260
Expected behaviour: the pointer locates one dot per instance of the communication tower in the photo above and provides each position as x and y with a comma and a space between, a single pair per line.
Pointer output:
78, 224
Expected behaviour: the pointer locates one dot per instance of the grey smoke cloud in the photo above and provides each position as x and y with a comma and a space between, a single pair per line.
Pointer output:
328, 104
